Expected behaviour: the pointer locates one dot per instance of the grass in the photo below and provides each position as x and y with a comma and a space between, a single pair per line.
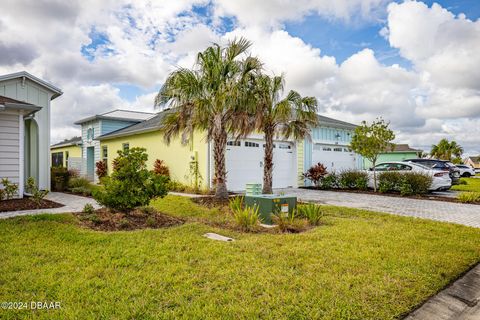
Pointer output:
473, 184
357, 265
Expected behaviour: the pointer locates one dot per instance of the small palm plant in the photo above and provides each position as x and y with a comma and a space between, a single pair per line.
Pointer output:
312, 212
247, 218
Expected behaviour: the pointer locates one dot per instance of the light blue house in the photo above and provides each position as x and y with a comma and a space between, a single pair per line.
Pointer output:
97, 125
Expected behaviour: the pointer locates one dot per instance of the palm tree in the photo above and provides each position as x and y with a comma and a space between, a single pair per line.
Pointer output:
212, 97
446, 150
291, 116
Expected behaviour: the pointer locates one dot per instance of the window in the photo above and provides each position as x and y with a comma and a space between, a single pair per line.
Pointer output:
284, 146
67, 155
57, 159
274, 146
90, 133
126, 146
234, 143
251, 144
337, 149
327, 149
104, 153
382, 167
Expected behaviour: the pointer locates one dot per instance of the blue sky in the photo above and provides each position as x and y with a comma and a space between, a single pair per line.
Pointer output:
334, 37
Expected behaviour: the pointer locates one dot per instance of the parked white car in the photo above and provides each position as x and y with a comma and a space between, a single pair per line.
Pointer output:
465, 170
440, 179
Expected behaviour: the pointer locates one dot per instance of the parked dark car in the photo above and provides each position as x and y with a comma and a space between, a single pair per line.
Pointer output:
440, 165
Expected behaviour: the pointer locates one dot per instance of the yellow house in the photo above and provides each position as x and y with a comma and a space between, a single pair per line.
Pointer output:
61, 152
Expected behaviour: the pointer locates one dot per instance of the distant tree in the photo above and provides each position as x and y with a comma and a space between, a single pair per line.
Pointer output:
447, 150
371, 140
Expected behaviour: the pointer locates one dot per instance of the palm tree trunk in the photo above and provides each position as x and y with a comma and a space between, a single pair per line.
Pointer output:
219, 147
268, 161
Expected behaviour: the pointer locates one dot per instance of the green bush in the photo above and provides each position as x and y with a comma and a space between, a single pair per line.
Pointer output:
462, 182
235, 204
79, 182
177, 186
87, 192
312, 212
60, 177
131, 184
9, 189
290, 222
415, 183
389, 181
330, 181
247, 218
88, 208
37, 194
353, 179
469, 197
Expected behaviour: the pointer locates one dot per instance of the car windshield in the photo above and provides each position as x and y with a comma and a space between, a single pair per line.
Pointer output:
451, 165
423, 166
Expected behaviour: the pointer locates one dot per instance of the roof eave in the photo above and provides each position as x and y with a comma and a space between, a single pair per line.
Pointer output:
125, 134
30, 109
55, 90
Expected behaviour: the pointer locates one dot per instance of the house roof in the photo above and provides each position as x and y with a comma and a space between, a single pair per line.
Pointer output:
475, 159
56, 91
75, 141
151, 124
9, 103
326, 121
118, 114
404, 148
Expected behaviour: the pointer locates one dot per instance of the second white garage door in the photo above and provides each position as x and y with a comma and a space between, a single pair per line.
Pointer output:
245, 164
335, 158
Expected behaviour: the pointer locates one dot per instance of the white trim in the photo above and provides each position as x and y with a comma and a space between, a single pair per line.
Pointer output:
21, 146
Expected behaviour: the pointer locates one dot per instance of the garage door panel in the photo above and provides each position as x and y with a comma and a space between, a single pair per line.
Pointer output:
335, 158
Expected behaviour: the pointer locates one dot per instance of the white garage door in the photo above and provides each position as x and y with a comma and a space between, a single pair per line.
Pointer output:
335, 158
245, 164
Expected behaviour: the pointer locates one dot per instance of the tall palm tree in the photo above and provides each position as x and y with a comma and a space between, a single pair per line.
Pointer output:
446, 150
211, 97
292, 116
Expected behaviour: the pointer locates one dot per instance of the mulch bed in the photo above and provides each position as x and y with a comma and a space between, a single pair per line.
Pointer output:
392, 194
27, 204
107, 220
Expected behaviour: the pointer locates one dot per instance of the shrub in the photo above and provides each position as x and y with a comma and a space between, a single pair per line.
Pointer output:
160, 168
353, 179
9, 188
82, 190
88, 208
289, 222
60, 177
462, 182
247, 218
235, 204
73, 173
415, 183
469, 197
131, 184
37, 194
79, 183
180, 187
101, 169
312, 212
316, 173
330, 181
389, 181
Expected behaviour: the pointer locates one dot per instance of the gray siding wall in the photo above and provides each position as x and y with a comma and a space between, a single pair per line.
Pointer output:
9, 147
30, 92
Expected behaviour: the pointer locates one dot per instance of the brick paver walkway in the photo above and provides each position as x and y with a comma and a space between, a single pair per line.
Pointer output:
466, 214
71, 203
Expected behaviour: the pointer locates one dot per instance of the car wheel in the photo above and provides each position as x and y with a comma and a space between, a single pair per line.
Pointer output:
466, 175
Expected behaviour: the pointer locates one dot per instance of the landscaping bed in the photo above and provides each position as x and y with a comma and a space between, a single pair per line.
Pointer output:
108, 220
27, 204
356, 265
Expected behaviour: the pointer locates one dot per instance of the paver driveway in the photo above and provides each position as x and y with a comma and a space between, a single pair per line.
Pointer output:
466, 214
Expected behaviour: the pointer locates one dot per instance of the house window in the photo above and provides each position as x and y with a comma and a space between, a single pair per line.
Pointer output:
67, 155
274, 145
327, 149
337, 149
234, 143
90, 133
284, 146
57, 159
125, 146
105, 153
251, 144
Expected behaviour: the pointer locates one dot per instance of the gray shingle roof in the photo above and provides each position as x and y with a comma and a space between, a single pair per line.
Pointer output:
403, 148
68, 142
145, 126
326, 121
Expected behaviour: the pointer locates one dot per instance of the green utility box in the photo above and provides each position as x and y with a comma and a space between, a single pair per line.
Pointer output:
253, 189
271, 203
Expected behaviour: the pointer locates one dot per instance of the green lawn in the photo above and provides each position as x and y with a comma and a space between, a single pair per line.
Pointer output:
359, 265
473, 184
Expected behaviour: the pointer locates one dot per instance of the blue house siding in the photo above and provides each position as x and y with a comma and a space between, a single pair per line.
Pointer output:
332, 135
108, 126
